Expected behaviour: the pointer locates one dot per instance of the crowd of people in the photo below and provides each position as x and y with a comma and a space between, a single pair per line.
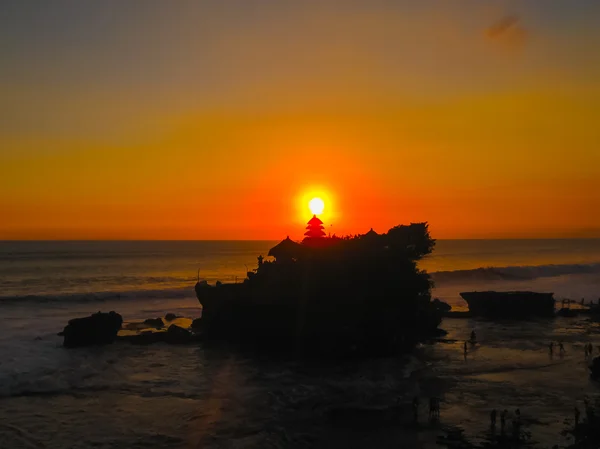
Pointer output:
516, 417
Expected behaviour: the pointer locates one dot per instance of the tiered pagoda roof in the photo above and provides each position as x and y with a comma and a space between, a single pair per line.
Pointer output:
315, 228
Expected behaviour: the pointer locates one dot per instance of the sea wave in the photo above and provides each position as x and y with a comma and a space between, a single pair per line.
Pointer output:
168, 293
515, 273
483, 274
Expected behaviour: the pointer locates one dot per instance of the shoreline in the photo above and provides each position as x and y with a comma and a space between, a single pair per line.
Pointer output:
280, 398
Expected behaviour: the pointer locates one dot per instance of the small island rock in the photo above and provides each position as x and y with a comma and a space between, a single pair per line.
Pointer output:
97, 329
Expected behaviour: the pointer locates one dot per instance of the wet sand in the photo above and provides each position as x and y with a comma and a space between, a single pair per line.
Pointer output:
163, 396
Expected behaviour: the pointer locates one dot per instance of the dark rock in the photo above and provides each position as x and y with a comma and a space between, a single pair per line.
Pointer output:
178, 335
97, 329
170, 316
197, 323
155, 322
510, 304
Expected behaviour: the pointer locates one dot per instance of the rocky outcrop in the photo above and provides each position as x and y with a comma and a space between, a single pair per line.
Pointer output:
97, 329
510, 304
197, 324
361, 295
178, 335
155, 322
170, 316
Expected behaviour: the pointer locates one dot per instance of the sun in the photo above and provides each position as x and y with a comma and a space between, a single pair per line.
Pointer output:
316, 206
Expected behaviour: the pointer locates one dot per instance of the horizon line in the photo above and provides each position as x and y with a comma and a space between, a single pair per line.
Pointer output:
274, 240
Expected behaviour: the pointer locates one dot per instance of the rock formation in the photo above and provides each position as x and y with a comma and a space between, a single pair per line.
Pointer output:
97, 329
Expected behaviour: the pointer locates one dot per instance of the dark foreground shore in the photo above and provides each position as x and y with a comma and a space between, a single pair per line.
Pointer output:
189, 396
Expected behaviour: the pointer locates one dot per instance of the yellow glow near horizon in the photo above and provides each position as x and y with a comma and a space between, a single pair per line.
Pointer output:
474, 129
316, 206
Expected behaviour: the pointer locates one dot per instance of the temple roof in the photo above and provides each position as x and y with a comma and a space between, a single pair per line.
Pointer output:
315, 233
287, 248
314, 221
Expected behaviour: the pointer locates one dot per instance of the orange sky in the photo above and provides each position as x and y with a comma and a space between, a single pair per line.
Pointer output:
393, 113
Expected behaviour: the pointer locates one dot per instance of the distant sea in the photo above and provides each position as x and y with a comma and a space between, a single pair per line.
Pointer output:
79, 271
162, 396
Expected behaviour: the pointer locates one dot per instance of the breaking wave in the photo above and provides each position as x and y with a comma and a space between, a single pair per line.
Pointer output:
515, 273
172, 293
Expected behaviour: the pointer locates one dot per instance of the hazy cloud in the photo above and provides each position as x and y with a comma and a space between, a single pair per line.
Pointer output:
507, 31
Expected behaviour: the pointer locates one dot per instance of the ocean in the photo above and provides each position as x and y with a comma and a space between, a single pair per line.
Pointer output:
192, 396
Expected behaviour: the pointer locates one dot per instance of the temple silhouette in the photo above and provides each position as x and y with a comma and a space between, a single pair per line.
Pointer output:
359, 294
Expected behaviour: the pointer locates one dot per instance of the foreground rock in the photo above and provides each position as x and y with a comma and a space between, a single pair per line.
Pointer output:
97, 329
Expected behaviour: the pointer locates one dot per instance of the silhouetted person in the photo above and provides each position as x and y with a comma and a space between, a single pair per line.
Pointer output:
561, 347
434, 408
518, 415
577, 414
473, 336
465, 348
260, 260
551, 347
415, 408
582, 301
493, 418
503, 420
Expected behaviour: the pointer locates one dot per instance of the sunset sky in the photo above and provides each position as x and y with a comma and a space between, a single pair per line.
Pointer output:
221, 119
